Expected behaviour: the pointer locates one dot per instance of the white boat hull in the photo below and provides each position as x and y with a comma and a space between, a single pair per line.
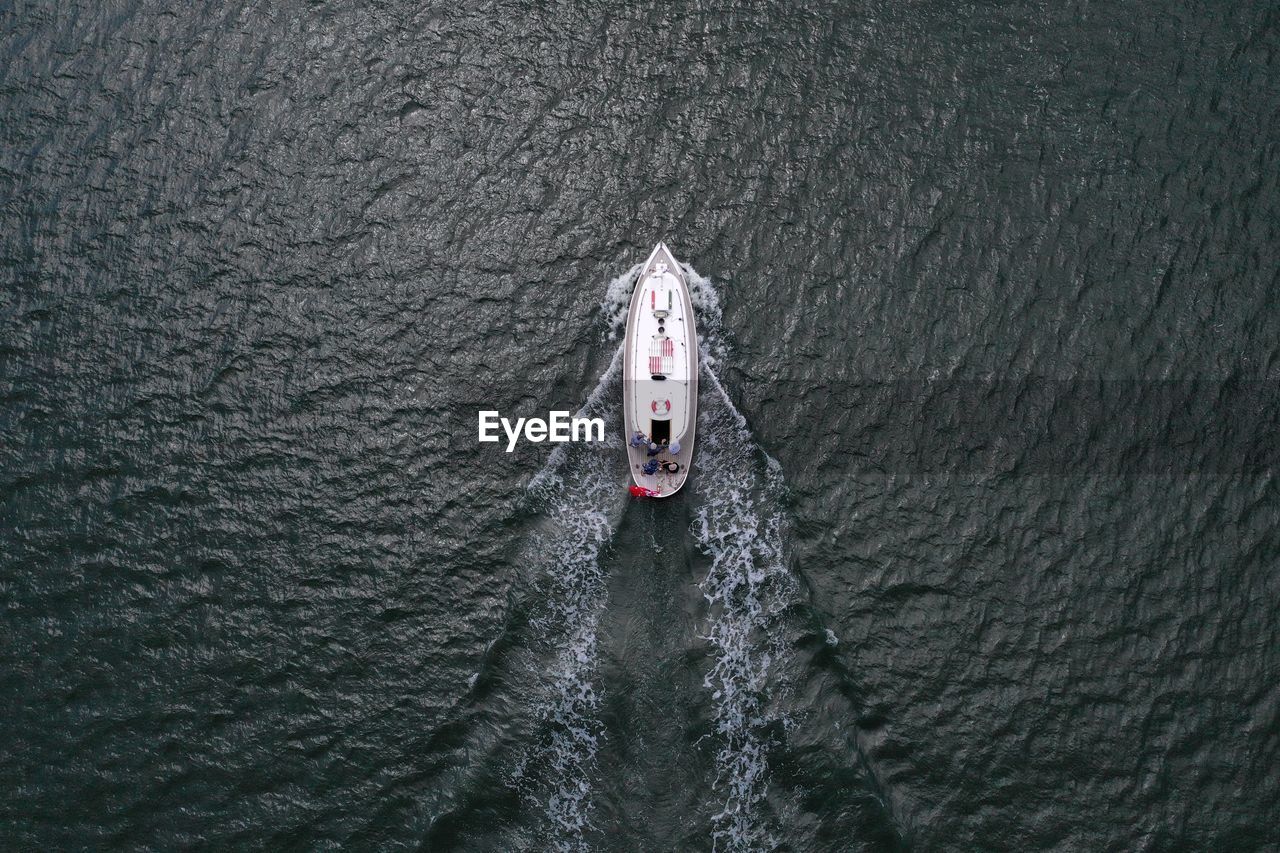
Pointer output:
660, 371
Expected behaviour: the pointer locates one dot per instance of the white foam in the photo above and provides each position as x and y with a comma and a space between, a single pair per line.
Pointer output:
583, 511
579, 493
740, 526
617, 300
737, 524
599, 403
706, 304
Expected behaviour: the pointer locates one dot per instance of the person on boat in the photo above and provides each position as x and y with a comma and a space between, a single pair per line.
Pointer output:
655, 449
650, 468
671, 467
642, 492
639, 439
674, 447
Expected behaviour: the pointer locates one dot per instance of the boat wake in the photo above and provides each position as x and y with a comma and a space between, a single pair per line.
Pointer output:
737, 524
582, 504
534, 717
740, 526
617, 300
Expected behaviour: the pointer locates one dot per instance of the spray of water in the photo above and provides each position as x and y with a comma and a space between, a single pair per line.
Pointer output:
582, 510
580, 498
706, 306
739, 526
617, 300
548, 480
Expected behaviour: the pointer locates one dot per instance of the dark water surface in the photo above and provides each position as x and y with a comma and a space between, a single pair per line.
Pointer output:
981, 548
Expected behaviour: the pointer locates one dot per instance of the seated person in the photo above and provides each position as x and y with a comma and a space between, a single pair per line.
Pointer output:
651, 467
639, 439
671, 467
674, 448
655, 449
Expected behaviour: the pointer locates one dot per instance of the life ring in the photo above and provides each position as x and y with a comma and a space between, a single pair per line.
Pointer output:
666, 406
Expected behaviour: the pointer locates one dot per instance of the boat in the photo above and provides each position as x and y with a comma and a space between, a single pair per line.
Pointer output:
660, 374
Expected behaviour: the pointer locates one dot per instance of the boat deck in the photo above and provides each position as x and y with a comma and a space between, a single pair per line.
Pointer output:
660, 374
